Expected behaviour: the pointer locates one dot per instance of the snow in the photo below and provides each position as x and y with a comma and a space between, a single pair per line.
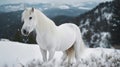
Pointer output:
87, 22
108, 15
14, 54
96, 11
101, 57
84, 31
64, 7
78, 5
40, 9
114, 25
45, 8
84, 8
98, 19
101, 39
4, 40
14, 7
96, 35
104, 39
102, 10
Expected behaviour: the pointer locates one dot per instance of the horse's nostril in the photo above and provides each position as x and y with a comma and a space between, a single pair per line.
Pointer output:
24, 31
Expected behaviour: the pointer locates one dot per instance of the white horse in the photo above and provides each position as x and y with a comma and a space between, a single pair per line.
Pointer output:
51, 38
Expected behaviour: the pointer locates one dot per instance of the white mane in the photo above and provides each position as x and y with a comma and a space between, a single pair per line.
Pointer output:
44, 19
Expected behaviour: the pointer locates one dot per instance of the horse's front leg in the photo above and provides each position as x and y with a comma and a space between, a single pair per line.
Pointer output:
50, 60
51, 54
44, 54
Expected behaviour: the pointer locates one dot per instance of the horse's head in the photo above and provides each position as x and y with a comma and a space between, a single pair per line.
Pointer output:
29, 20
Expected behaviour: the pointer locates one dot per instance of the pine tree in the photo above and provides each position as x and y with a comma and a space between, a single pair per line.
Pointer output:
116, 14
18, 36
115, 26
32, 38
116, 4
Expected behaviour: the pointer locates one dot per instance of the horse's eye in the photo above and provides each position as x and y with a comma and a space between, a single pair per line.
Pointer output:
30, 18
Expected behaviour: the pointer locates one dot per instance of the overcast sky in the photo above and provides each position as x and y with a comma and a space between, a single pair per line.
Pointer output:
50, 1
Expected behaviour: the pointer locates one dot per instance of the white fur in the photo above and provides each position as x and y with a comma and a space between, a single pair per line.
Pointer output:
50, 37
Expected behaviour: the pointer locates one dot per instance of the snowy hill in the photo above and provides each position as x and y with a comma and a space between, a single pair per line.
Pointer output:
95, 25
101, 26
14, 54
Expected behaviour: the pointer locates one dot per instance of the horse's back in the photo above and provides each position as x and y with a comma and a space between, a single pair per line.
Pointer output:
68, 25
67, 28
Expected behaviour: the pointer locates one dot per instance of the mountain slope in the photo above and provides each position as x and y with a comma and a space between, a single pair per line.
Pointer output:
9, 22
99, 27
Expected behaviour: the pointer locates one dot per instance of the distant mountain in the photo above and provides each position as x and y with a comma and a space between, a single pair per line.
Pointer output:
9, 23
50, 10
66, 12
101, 25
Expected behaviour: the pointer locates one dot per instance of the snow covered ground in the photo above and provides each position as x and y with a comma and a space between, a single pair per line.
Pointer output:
14, 54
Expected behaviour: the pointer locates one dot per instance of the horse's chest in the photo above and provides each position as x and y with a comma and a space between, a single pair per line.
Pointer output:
44, 42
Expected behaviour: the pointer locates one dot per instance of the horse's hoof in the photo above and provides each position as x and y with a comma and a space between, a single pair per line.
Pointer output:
47, 64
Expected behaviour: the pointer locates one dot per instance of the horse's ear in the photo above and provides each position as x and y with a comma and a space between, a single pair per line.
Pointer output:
32, 9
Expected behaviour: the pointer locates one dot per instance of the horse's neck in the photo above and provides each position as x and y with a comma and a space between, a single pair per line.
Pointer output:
44, 24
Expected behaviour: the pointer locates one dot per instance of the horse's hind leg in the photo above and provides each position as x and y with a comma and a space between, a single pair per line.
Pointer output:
70, 53
64, 57
77, 50
44, 54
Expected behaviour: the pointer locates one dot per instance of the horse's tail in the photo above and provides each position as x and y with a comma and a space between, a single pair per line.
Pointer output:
79, 40
78, 47
70, 53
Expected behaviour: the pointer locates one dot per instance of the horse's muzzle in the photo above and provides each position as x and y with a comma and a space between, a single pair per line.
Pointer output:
24, 32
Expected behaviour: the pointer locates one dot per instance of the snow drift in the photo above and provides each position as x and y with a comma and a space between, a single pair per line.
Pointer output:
14, 54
